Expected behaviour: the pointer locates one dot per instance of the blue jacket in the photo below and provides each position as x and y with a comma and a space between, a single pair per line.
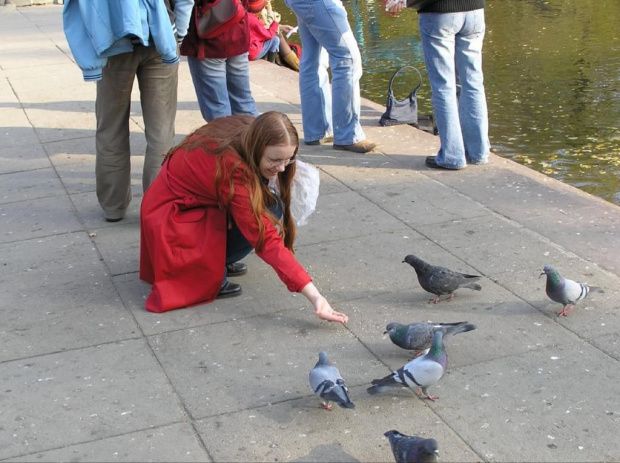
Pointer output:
98, 29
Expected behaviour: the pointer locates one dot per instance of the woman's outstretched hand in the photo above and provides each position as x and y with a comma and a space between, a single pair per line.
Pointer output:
321, 307
323, 310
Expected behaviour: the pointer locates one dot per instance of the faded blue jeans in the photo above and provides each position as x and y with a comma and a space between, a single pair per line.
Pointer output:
324, 24
452, 44
222, 86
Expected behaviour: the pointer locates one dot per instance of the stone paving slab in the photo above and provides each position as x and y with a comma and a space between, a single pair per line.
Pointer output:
57, 295
176, 442
83, 395
553, 404
37, 218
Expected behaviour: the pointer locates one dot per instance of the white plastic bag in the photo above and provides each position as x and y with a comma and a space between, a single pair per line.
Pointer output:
304, 192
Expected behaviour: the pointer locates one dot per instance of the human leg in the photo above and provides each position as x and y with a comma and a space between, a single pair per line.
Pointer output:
112, 164
438, 31
472, 102
209, 77
316, 121
158, 97
331, 29
238, 85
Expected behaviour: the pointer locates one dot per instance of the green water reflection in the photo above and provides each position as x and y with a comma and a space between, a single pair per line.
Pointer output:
552, 75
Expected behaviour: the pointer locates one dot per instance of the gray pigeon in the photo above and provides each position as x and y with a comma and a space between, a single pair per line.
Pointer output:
421, 372
326, 382
440, 280
412, 449
419, 336
565, 291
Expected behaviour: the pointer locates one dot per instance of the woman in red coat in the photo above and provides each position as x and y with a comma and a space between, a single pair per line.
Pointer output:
212, 204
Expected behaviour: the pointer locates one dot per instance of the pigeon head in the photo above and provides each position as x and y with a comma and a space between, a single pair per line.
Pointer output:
415, 262
393, 436
430, 447
548, 270
391, 327
323, 360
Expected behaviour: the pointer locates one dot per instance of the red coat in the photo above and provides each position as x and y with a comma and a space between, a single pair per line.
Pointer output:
232, 42
258, 35
183, 232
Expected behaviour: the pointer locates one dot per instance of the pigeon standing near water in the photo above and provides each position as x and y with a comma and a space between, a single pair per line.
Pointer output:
421, 372
565, 291
412, 449
326, 382
419, 336
440, 280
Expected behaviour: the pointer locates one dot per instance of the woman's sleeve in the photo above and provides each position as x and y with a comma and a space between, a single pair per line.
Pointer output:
274, 252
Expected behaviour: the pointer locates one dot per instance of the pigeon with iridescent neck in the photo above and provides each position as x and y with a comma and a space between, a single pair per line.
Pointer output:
412, 449
419, 336
566, 292
422, 372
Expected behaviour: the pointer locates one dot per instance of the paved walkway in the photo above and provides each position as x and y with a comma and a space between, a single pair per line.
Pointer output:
86, 374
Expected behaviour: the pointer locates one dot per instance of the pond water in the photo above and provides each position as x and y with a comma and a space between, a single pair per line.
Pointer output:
552, 77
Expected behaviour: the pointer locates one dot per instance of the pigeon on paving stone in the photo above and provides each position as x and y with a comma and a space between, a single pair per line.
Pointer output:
565, 291
412, 449
419, 336
440, 280
326, 382
421, 372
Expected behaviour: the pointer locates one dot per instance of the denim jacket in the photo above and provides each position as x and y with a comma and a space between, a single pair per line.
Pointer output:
98, 29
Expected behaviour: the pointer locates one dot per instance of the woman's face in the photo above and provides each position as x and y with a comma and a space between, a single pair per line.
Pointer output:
275, 159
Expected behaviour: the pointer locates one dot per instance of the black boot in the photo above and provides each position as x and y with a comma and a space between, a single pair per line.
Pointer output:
271, 56
229, 289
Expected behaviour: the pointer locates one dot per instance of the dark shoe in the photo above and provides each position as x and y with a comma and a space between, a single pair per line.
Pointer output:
229, 289
236, 269
363, 146
432, 163
322, 141
108, 219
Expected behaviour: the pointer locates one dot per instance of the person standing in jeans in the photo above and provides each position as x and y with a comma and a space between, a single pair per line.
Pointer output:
220, 70
452, 33
323, 24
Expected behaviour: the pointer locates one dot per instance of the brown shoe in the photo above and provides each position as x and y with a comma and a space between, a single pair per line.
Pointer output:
363, 146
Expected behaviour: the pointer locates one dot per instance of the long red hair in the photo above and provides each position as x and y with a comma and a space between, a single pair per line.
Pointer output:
248, 137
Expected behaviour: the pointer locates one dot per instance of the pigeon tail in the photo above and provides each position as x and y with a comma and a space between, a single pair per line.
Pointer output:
474, 286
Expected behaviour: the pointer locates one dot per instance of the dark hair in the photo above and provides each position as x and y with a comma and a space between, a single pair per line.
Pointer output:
248, 137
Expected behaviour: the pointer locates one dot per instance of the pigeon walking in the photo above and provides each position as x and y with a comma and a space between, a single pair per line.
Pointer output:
326, 382
412, 449
440, 280
419, 336
422, 372
565, 291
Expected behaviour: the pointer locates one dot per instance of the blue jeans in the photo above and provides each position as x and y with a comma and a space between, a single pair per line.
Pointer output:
237, 246
270, 45
452, 44
324, 24
222, 86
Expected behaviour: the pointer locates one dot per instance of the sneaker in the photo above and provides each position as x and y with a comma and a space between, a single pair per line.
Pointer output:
322, 141
363, 146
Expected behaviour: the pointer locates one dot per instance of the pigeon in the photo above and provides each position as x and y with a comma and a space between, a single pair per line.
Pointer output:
421, 372
326, 382
440, 280
565, 291
419, 336
412, 449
